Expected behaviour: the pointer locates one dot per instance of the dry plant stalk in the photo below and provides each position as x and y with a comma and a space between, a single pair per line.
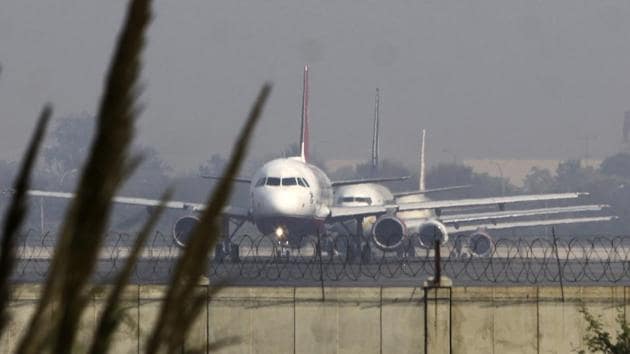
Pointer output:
55, 322
111, 315
180, 308
65, 294
16, 212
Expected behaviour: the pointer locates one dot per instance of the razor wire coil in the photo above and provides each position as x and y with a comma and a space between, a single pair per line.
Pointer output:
344, 260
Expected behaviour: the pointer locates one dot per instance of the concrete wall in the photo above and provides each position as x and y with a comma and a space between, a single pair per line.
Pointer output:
358, 320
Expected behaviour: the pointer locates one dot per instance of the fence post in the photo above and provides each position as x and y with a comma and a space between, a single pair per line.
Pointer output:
555, 248
437, 286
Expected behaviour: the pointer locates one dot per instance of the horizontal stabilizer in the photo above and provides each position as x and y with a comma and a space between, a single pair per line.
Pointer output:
431, 190
368, 180
341, 213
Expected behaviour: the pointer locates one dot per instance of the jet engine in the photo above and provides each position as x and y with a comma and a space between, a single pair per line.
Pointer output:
480, 243
182, 229
388, 233
430, 232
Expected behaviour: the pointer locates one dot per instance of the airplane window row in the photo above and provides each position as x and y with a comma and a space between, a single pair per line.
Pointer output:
366, 200
289, 181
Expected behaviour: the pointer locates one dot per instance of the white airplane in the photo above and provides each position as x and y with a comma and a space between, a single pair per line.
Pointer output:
372, 193
291, 198
401, 225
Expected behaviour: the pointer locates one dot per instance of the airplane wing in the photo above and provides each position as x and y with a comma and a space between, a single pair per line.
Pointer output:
231, 211
473, 202
493, 217
235, 179
432, 190
341, 213
367, 180
530, 223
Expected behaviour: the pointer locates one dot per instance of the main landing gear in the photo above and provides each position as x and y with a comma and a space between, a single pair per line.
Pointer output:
226, 248
357, 247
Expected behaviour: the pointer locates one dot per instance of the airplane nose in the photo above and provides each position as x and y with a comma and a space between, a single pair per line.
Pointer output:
279, 203
284, 203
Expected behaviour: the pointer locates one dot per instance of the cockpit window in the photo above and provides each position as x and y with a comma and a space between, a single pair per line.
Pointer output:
301, 182
365, 200
273, 181
305, 182
290, 181
261, 182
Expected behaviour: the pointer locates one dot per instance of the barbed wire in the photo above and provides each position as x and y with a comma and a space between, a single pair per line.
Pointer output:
343, 259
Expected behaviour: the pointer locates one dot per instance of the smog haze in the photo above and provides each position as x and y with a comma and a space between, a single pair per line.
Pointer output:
488, 79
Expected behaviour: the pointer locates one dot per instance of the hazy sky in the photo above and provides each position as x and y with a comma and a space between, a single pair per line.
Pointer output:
488, 78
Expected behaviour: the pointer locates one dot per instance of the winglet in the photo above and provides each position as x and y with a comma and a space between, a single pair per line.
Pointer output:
304, 131
423, 168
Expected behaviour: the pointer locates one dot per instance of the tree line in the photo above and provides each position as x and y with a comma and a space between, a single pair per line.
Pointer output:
66, 148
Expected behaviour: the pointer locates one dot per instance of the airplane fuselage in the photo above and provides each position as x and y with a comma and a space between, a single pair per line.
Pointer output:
371, 194
289, 197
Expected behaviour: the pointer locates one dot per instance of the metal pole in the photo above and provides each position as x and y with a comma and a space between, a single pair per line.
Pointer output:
375, 136
502, 178
321, 265
555, 247
423, 168
426, 320
41, 215
450, 320
438, 269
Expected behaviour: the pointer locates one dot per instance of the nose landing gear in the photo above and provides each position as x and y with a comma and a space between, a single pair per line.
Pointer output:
283, 251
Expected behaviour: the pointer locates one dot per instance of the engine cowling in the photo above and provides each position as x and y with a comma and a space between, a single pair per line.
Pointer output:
480, 243
430, 231
182, 229
388, 233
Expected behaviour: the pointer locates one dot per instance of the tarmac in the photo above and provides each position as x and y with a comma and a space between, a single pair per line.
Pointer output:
534, 266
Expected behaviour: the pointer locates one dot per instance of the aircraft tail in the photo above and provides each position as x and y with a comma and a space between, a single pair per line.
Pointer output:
304, 151
423, 168
375, 136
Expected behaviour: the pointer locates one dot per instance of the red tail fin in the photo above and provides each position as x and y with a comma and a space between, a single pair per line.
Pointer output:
304, 133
